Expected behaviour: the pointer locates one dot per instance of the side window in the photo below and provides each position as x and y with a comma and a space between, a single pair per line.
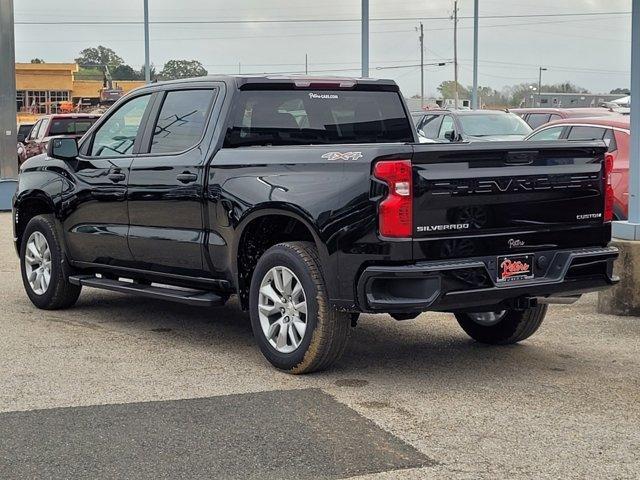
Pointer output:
34, 131
430, 126
554, 116
586, 133
552, 133
182, 119
610, 140
117, 134
44, 126
447, 126
537, 119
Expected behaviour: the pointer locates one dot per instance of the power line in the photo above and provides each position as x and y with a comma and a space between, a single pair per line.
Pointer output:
307, 20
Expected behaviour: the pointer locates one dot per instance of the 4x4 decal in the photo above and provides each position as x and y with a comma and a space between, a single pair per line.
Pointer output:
342, 155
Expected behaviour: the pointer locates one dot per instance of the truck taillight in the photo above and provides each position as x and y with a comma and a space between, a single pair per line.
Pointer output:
608, 188
395, 212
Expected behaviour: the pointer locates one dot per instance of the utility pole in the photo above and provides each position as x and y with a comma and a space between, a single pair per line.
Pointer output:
8, 141
306, 64
421, 65
475, 100
456, 97
147, 65
540, 70
365, 38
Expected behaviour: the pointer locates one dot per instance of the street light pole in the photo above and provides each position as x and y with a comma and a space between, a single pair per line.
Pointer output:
540, 70
365, 38
147, 65
421, 65
456, 96
475, 104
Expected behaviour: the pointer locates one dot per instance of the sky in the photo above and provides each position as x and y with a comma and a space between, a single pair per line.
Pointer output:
592, 51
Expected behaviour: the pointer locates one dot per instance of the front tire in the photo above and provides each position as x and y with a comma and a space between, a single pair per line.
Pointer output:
502, 328
292, 321
43, 266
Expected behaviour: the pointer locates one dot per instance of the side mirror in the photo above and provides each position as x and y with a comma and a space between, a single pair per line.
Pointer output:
450, 135
63, 148
421, 133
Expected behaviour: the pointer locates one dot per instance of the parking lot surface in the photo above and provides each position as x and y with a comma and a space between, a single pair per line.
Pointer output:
121, 387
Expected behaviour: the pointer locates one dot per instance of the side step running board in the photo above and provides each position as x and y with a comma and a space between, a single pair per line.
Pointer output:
190, 297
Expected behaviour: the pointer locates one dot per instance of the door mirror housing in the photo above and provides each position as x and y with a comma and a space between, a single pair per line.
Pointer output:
450, 135
63, 148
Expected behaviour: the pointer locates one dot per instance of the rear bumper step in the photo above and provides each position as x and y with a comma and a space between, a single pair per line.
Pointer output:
190, 297
470, 283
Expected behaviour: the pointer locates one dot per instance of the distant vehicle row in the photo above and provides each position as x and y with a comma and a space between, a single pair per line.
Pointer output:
33, 139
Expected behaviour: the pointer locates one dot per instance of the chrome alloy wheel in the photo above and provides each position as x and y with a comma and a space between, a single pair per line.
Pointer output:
37, 263
487, 319
282, 309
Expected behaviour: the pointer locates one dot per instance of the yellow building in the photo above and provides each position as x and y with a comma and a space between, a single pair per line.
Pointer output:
42, 86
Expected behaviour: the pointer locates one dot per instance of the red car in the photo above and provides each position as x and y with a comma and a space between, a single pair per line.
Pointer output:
614, 131
61, 125
537, 117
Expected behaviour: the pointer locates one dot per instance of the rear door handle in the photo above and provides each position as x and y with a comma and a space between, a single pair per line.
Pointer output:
116, 177
187, 177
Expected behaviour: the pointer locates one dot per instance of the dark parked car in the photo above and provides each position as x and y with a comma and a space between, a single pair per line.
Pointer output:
60, 125
537, 117
24, 129
615, 132
311, 200
470, 125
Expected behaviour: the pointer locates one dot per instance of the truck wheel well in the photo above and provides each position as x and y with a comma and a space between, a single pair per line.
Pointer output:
260, 235
28, 209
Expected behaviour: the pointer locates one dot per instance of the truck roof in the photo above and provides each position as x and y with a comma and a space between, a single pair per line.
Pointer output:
301, 81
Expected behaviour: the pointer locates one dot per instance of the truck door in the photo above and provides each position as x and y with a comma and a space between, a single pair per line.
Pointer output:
97, 220
166, 184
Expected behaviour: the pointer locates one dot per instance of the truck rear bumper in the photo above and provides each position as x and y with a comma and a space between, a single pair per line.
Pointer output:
470, 284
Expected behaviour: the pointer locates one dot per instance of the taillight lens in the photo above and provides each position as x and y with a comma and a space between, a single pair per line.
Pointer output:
395, 213
608, 188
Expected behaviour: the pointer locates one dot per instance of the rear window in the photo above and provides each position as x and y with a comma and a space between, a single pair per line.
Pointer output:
70, 126
303, 117
493, 124
537, 119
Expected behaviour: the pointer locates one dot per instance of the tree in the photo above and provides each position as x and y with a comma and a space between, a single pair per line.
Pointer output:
447, 90
99, 56
182, 69
620, 91
152, 71
125, 72
37, 60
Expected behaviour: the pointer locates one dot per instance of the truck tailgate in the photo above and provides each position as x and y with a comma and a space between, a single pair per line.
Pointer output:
491, 198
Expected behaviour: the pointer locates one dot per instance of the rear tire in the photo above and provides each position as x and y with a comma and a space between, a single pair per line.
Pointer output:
511, 327
44, 266
302, 340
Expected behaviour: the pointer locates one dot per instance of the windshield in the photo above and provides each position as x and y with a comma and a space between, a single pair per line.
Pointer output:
70, 126
305, 117
493, 124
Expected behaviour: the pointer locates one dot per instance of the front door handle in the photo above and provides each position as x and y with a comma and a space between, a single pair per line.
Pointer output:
116, 177
187, 177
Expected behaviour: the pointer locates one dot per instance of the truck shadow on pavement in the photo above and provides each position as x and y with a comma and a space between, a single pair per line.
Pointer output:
431, 346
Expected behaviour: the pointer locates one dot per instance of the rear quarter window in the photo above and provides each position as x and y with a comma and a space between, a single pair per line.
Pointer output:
304, 117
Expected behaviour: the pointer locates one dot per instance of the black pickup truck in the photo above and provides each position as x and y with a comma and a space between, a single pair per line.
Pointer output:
312, 201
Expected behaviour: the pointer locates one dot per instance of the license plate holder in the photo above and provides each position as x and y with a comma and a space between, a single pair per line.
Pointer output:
513, 268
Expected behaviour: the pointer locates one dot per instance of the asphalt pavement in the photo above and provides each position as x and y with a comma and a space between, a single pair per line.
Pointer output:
123, 387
